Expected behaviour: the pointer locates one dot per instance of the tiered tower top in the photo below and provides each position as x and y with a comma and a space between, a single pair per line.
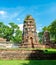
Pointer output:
29, 17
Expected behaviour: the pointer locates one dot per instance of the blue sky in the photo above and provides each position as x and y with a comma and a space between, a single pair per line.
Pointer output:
43, 11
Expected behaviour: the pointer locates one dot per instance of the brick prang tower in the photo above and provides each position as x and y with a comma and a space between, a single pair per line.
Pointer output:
30, 39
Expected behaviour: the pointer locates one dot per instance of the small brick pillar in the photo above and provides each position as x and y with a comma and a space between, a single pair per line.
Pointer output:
46, 38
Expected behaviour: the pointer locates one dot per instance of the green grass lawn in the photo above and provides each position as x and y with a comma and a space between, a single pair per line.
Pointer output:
27, 62
49, 51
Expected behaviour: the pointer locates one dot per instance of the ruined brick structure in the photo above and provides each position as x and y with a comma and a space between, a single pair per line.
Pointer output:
46, 38
2, 40
30, 38
6, 54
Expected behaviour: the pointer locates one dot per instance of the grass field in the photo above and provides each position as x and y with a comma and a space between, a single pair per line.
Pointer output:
27, 62
48, 51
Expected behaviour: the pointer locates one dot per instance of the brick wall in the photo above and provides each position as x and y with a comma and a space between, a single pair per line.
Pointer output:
25, 54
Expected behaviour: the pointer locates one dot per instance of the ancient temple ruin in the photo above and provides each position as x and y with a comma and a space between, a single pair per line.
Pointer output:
30, 38
46, 38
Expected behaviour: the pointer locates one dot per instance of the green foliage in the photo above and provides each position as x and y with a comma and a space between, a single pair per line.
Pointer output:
1, 29
40, 35
52, 29
11, 32
17, 37
45, 28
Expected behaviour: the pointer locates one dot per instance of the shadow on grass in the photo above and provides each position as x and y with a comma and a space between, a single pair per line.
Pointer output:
41, 55
41, 62
38, 57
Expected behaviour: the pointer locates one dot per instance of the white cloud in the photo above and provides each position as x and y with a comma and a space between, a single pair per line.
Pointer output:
13, 15
3, 15
38, 31
2, 12
21, 27
9, 26
18, 19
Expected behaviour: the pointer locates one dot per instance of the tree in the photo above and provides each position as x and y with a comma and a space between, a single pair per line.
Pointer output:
7, 33
17, 34
40, 35
11, 32
1, 29
52, 29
